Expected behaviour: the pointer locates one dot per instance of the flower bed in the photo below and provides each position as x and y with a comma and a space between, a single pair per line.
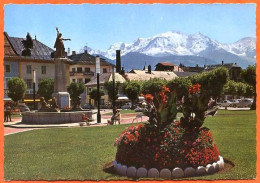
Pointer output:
142, 146
163, 143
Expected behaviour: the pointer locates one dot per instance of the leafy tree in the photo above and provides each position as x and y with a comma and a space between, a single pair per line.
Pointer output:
152, 86
132, 90
212, 82
249, 76
180, 85
93, 94
75, 89
46, 88
230, 88
17, 89
109, 87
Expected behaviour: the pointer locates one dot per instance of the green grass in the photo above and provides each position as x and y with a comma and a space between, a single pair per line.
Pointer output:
81, 153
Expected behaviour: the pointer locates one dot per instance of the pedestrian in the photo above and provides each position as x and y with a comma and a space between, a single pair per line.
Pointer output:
8, 113
5, 113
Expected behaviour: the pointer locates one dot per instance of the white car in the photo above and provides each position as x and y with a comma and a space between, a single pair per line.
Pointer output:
225, 103
126, 106
244, 103
234, 102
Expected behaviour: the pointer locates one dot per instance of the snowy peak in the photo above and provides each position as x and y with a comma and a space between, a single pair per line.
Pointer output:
178, 43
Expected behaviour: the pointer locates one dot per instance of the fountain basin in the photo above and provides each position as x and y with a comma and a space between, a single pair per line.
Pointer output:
35, 117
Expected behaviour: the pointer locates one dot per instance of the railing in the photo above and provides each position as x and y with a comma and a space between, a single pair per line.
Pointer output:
74, 73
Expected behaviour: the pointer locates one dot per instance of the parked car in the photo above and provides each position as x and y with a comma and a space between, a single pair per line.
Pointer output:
138, 109
23, 108
234, 102
88, 106
225, 103
245, 103
126, 106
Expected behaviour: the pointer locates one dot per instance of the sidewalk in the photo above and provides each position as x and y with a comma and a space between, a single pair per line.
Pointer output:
16, 126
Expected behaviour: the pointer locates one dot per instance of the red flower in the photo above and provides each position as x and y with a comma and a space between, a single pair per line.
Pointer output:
149, 98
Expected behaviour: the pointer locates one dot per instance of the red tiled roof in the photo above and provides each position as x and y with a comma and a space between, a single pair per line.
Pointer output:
166, 64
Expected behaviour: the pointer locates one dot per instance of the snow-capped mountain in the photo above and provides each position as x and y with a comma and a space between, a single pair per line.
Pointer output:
178, 43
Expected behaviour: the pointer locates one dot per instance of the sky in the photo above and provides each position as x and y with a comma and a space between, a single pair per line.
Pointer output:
99, 26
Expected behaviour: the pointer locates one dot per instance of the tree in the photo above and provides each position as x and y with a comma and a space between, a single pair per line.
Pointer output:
152, 86
249, 76
132, 90
93, 94
212, 82
75, 89
230, 88
180, 85
17, 89
109, 87
46, 88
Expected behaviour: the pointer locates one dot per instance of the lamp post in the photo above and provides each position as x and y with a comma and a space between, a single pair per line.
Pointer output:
98, 93
34, 81
113, 79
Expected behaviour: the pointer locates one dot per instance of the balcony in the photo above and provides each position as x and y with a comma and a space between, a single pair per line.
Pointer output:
74, 73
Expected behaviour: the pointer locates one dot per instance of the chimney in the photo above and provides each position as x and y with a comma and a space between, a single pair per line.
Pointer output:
73, 53
118, 61
86, 51
122, 72
222, 62
149, 69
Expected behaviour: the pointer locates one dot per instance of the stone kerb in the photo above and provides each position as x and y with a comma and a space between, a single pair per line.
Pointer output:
167, 173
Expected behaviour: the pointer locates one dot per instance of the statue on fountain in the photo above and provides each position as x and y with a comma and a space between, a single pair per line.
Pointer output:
60, 49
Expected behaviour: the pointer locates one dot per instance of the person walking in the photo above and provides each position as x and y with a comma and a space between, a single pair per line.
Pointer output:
8, 113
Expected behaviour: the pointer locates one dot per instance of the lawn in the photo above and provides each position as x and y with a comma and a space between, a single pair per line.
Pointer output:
81, 153
128, 111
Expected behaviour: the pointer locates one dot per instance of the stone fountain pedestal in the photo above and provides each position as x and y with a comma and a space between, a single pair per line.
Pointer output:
60, 88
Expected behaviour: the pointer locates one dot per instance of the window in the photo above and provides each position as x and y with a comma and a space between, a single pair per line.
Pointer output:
28, 83
87, 80
80, 80
73, 69
6, 81
74, 80
89, 89
87, 69
7, 68
104, 70
79, 69
44, 69
28, 69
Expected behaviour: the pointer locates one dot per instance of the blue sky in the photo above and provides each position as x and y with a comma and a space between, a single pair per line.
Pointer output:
99, 26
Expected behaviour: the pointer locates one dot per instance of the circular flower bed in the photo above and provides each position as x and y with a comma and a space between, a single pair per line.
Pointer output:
145, 146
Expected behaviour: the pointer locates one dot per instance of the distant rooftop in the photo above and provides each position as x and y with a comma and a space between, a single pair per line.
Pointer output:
166, 64
87, 59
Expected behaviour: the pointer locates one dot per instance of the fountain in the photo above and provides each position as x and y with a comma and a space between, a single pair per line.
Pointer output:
61, 98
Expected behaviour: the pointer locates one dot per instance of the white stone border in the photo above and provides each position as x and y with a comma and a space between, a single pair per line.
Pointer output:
167, 173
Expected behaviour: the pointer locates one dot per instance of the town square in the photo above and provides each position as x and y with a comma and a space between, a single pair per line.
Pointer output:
133, 92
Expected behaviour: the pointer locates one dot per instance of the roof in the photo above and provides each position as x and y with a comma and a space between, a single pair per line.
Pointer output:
141, 75
39, 51
9, 51
105, 77
227, 65
193, 69
166, 64
87, 59
185, 74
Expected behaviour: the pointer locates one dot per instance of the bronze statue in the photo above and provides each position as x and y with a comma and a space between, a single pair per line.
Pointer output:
54, 105
44, 106
60, 49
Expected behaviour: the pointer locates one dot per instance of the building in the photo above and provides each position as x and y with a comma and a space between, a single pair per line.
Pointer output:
102, 79
233, 69
143, 75
83, 67
167, 66
17, 65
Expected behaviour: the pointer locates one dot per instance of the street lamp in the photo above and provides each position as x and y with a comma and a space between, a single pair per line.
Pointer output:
34, 81
98, 93
113, 79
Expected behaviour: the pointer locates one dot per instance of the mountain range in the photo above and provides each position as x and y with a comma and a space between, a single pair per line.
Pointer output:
177, 47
